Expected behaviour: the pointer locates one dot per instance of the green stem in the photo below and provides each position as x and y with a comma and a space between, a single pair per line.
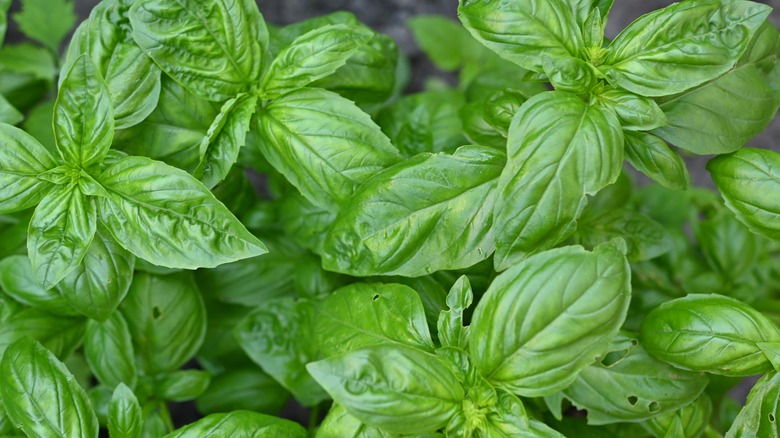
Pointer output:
165, 414
314, 416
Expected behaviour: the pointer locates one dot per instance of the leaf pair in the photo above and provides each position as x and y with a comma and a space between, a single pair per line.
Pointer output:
378, 369
155, 211
229, 62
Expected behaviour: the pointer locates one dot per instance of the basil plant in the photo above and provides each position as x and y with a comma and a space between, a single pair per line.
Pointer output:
208, 221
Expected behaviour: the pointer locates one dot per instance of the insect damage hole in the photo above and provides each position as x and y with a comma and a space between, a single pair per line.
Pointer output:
632, 400
376, 297
156, 312
771, 417
654, 407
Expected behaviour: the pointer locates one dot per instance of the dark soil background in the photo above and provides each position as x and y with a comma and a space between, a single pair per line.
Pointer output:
389, 16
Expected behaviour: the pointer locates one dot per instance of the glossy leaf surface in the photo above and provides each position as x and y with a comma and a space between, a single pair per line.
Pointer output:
163, 215
629, 385
215, 49
747, 180
399, 389
61, 230
97, 285
429, 213
167, 320
681, 46
240, 424
559, 150
720, 116
323, 144
711, 333
124, 414
40, 395
522, 31
108, 348
22, 159
83, 116
313, 55
366, 314
547, 318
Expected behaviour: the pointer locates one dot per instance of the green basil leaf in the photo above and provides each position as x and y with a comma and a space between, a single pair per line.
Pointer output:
304, 222
215, 49
569, 73
711, 333
450, 323
41, 396
431, 291
249, 389
59, 334
629, 385
61, 231
174, 131
339, 423
97, 286
445, 42
363, 315
17, 280
525, 329
424, 122
703, 120
763, 48
681, 46
108, 348
165, 216
584, 8
8, 113
645, 238
22, 159
226, 136
46, 21
688, 422
240, 424
33, 63
772, 352
281, 37
654, 158
478, 130
758, 418
501, 107
277, 336
314, 55
323, 144
237, 282
636, 113
132, 78
425, 200
181, 386
559, 150
83, 116
371, 77
124, 414
593, 33
727, 245
747, 180
167, 320
399, 389
154, 425
522, 31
